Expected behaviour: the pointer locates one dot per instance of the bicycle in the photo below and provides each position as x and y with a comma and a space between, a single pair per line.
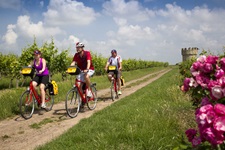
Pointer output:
114, 83
30, 96
76, 96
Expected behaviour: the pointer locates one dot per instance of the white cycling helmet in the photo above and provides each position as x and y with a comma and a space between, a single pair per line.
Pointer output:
79, 44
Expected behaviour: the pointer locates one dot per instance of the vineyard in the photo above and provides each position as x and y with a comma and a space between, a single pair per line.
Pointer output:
57, 62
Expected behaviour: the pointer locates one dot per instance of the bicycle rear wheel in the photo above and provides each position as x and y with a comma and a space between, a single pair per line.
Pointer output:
72, 103
92, 101
112, 89
49, 100
26, 105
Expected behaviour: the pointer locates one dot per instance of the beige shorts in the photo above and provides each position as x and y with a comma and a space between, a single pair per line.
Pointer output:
81, 75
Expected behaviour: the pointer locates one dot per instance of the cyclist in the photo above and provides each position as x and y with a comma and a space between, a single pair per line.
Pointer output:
84, 61
116, 60
42, 75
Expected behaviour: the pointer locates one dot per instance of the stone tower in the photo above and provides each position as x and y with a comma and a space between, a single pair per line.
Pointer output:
189, 53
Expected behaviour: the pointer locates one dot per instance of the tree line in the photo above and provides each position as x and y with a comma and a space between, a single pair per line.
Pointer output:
57, 62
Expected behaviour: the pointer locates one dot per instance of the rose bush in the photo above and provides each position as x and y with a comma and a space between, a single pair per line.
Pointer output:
207, 88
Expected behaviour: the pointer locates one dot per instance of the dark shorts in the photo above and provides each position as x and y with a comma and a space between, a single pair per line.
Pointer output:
117, 72
41, 79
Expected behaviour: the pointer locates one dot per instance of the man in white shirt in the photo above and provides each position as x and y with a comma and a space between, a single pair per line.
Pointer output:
115, 60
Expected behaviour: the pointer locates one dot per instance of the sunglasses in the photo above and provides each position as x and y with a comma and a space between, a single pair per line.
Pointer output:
36, 52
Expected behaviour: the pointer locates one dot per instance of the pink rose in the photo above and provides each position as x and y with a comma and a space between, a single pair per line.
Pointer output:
219, 109
196, 65
186, 84
193, 83
211, 59
202, 80
191, 133
204, 115
196, 141
221, 82
211, 84
207, 68
194, 72
219, 73
209, 135
206, 108
222, 63
216, 92
202, 58
210, 117
219, 124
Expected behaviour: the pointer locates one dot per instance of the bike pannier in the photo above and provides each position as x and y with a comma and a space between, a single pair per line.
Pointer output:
53, 88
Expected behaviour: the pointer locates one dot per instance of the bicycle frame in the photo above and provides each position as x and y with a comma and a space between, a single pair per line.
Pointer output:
34, 93
82, 95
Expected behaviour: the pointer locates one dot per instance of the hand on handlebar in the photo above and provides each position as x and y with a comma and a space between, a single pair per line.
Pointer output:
40, 72
85, 71
106, 68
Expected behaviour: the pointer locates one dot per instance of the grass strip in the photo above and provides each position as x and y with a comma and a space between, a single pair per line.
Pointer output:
40, 124
154, 117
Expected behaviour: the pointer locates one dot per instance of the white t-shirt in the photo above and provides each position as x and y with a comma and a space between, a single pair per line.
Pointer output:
115, 61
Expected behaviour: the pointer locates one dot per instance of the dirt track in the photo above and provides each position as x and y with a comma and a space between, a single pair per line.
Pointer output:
16, 133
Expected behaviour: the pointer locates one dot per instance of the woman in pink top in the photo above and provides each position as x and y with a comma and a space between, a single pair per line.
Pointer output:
42, 74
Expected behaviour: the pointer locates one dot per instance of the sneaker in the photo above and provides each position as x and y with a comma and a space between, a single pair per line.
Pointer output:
119, 92
89, 94
43, 105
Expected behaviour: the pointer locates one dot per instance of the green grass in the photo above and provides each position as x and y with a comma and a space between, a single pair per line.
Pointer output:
40, 124
9, 98
154, 117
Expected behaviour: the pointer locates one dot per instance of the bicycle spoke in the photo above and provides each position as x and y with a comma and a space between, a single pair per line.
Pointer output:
72, 103
113, 93
49, 100
26, 105
92, 101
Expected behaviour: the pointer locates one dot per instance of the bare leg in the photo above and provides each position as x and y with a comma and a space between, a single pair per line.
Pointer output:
88, 82
35, 85
119, 83
42, 89
109, 77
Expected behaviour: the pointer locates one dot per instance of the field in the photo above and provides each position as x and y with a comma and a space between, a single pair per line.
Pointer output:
155, 117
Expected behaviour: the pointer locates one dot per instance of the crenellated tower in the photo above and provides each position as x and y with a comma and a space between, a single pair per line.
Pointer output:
188, 53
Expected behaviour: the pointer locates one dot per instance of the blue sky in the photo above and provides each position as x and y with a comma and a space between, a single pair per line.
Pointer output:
147, 29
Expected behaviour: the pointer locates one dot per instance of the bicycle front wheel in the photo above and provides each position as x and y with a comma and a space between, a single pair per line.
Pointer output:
92, 101
49, 100
72, 103
26, 105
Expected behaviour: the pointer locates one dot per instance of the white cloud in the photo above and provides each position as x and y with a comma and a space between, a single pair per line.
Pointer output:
166, 31
128, 26
10, 36
69, 12
12, 4
131, 9
26, 28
